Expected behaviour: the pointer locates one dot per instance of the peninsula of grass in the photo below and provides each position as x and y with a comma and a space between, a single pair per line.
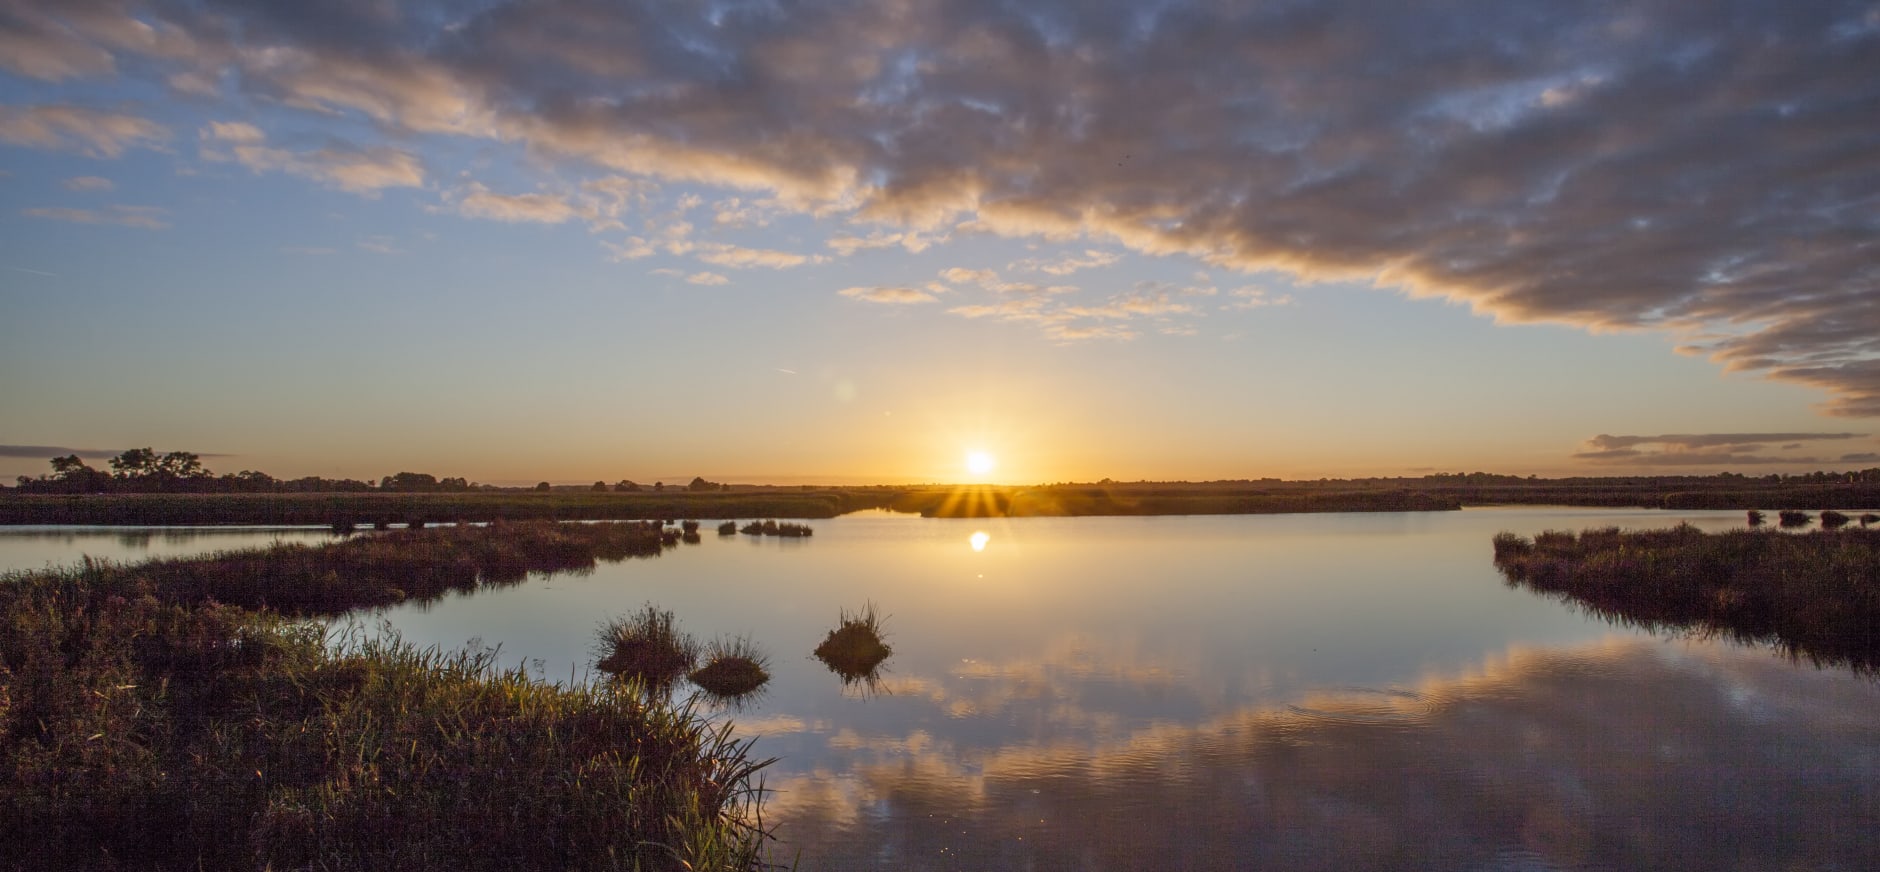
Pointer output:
147, 721
856, 648
1815, 594
387, 568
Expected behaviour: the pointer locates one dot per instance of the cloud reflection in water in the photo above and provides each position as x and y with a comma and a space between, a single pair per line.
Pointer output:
1624, 754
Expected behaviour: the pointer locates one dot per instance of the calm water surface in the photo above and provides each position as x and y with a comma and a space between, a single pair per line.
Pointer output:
1354, 691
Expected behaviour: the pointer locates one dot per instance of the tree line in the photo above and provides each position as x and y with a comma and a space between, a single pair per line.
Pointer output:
143, 470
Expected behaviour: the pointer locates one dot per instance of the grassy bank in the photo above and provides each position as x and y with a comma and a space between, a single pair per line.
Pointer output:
148, 722
370, 509
1815, 594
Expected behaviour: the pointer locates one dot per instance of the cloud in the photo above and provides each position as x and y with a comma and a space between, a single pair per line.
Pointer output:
914, 243
478, 201
1068, 264
888, 295
147, 217
1712, 440
88, 183
350, 168
737, 257
1862, 457
75, 128
47, 452
963, 276
380, 245
1632, 166
1716, 450
707, 278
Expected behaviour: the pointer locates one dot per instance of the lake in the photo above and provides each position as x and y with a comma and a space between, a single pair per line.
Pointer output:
1335, 691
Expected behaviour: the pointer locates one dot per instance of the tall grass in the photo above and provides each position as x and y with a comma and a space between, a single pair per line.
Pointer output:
857, 647
733, 669
1815, 594
383, 569
144, 725
646, 647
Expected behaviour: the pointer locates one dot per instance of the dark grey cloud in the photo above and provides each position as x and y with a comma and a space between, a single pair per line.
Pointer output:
47, 452
1714, 450
1707, 168
1862, 457
1712, 440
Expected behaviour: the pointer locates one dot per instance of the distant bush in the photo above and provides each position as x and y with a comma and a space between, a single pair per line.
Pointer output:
1793, 518
1833, 520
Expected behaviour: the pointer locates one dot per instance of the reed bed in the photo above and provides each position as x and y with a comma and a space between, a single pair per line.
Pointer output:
148, 721
382, 569
1815, 594
785, 529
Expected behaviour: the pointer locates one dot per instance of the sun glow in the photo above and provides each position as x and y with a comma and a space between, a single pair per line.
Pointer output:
979, 463
978, 540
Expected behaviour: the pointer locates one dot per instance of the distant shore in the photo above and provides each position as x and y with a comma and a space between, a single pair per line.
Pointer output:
1436, 493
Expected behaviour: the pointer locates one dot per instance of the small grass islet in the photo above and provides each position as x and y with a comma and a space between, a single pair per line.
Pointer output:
856, 648
786, 529
734, 669
646, 647
1814, 594
149, 721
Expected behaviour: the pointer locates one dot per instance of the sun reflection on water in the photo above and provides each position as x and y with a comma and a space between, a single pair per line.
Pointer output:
979, 540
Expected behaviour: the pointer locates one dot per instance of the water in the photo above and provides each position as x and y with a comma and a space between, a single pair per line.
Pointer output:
1290, 692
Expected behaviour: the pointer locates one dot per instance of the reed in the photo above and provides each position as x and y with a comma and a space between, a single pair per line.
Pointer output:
857, 647
1815, 594
646, 647
140, 729
734, 669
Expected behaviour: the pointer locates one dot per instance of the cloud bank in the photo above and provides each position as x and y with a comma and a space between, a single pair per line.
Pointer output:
1708, 170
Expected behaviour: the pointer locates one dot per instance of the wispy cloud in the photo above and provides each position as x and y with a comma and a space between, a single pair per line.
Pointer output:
895, 295
1718, 450
350, 168
47, 452
88, 183
707, 278
147, 217
76, 128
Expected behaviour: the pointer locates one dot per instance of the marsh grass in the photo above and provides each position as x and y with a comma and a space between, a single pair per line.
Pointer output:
646, 647
387, 568
734, 669
1814, 594
143, 726
728, 528
857, 647
1756, 518
1868, 518
786, 529
1833, 520
1793, 518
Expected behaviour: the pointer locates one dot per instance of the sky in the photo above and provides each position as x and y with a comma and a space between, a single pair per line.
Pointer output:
850, 242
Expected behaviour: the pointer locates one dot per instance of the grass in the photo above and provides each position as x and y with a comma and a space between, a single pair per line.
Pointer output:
856, 648
728, 528
385, 510
391, 567
734, 669
785, 529
1833, 520
1793, 518
1814, 594
146, 725
646, 647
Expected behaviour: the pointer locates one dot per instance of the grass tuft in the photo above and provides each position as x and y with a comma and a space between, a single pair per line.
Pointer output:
646, 647
734, 668
856, 648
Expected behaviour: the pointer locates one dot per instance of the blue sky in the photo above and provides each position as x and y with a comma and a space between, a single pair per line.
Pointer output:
852, 242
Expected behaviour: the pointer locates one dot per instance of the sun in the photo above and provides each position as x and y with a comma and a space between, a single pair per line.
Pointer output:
980, 463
